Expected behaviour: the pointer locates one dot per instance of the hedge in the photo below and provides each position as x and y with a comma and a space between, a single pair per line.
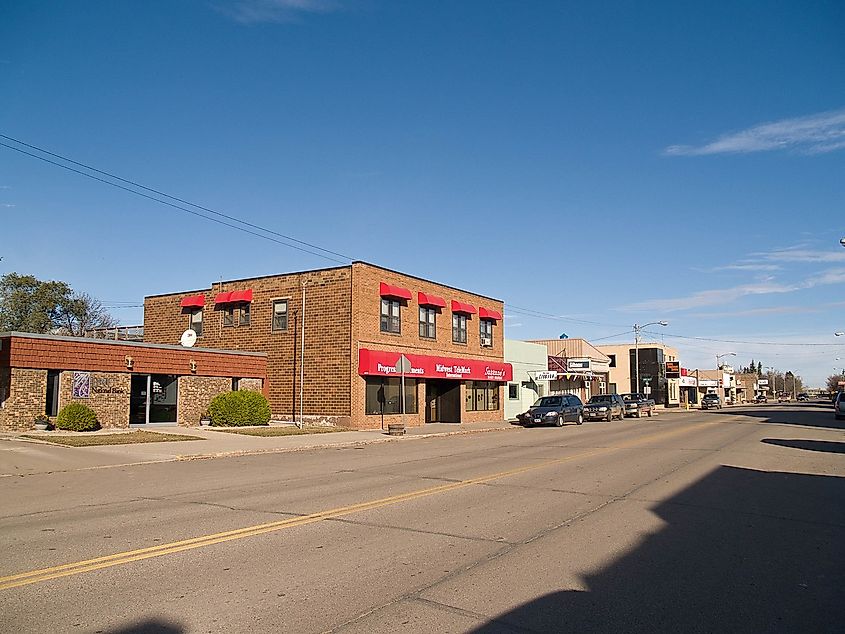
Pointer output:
238, 409
77, 417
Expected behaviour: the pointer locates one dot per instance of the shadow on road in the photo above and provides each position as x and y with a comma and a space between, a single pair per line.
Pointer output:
809, 445
803, 415
152, 626
742, 551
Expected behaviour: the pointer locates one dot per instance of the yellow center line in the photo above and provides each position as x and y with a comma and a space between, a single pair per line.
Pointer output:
116, 559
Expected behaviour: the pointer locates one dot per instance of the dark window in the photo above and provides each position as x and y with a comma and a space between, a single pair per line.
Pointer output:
513, 391
459, 328
428, 328
482, 396
612, 363
244, 318
383, 396
390, 316
236, 384
280, 314
195, 321
229, 315
52, 405
485, 327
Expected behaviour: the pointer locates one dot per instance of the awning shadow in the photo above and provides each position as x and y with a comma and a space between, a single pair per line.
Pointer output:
151, 626
742, 551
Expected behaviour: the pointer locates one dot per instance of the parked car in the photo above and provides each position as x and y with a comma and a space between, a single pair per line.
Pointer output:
839, 406
783, 397
554, 410
803, 397
638, 405
761, 398
711, 401
604, 407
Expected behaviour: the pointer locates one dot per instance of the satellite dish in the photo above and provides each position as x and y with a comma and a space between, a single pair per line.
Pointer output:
188, 338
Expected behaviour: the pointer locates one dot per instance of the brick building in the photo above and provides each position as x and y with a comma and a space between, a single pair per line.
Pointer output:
356, 320
123, 382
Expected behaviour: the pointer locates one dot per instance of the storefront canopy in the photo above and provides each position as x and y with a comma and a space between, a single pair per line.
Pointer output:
380, 363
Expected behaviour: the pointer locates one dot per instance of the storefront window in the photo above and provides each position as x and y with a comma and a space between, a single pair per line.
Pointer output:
482, 396
383, 396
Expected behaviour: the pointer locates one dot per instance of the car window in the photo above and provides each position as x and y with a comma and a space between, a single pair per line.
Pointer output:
548, 401
575, 401
600, 398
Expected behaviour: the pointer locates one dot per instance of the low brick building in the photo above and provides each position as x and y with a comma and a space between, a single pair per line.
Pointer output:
335, 334
123, 382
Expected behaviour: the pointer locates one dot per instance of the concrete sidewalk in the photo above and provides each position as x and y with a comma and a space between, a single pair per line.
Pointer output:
22, 456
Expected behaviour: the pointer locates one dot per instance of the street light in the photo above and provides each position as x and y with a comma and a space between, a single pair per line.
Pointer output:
719, 356
771, 370
839, 334
637, 329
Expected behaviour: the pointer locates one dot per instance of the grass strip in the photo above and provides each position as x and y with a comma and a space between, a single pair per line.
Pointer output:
129, 438
280, 431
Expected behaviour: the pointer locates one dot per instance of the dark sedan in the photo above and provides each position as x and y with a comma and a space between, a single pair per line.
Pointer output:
554, 410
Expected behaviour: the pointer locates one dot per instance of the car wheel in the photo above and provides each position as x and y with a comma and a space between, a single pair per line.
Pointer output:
559, 421
580, 419
609, 418
649, 413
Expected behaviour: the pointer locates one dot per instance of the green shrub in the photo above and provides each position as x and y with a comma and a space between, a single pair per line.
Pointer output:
77, 417
237, 409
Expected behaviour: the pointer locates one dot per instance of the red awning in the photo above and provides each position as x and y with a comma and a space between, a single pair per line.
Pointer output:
381, 363
486, 313
426, 299
386, 290
194, 301
460, 307
241, 296
232, 297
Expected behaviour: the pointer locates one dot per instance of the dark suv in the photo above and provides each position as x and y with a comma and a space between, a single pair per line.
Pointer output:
554, 410
605, 407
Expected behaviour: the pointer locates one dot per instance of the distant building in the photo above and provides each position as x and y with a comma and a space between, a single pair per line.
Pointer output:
659, 370
579, 367
530, 381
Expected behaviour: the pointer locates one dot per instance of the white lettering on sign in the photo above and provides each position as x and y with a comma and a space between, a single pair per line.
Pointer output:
491, 372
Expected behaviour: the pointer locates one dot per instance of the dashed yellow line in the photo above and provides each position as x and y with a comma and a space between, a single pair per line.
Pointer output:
117, 559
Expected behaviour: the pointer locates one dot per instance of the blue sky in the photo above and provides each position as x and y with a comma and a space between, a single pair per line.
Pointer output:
603, 165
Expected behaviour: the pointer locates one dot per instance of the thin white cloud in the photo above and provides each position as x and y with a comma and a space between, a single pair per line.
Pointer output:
748, 267
814, 134
259, 11
757, 312
801, 255
7, 205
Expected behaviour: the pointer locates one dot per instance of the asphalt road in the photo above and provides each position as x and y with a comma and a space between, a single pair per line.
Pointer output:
689, 522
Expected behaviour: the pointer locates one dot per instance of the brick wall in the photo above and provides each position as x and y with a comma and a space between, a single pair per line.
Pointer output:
26, 397
327, 335
254, 385
109, 396
366, 333
195, 395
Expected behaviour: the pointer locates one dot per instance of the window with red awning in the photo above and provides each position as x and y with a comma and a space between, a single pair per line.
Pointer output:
193, 301
486, 313
394, 292
427, 299
460, 307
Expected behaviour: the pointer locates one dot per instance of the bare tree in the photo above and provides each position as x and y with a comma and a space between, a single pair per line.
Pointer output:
833, 382
83, 313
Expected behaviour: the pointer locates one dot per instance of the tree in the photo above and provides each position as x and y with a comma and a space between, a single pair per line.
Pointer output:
833, 382
28, 304
81, 314
759, 368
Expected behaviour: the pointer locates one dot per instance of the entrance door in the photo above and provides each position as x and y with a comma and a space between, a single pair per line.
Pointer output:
153, 398
442, 401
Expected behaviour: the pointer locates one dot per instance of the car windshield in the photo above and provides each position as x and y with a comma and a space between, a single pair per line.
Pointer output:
630, 397
548, 401
711, 397
600, 398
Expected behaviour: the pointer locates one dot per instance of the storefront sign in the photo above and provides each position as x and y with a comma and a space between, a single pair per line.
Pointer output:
547, 375
379, 363
576, 365
687, 381
708, 383
762, 382
81, 387
673, 369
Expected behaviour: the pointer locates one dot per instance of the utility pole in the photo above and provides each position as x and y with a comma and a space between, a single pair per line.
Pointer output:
303, 283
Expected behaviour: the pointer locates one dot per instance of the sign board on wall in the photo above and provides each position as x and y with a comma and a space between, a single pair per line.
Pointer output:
574, 365
81, 386
688, 381
708, 383
762, 382
546, 375
673, 369
380, 363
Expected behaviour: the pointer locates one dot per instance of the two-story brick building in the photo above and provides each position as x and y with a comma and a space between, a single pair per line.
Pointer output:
333, 336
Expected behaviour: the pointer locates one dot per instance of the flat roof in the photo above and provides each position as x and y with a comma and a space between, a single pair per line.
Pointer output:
133, 344
328, 268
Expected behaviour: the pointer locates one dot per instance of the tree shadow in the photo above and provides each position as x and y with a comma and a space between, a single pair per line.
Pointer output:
151, 626
809, 445
742, 551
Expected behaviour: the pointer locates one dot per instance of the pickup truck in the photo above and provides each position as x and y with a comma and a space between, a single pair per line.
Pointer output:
638, 405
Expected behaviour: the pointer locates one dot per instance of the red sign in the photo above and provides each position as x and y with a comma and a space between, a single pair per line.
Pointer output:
378, 363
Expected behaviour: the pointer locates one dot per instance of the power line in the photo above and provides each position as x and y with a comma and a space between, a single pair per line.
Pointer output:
181, 200
760, 343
